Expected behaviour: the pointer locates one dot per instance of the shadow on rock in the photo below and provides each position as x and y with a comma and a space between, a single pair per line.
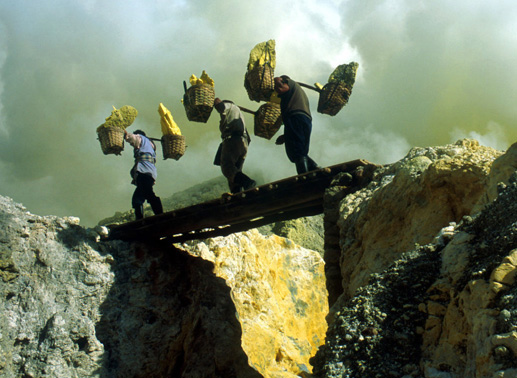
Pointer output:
168, 315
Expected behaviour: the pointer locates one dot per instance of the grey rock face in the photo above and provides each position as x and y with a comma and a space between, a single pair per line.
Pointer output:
52, 284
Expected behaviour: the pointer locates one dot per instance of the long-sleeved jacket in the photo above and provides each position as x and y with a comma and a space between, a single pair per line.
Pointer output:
294, 100
144, 153
232, 122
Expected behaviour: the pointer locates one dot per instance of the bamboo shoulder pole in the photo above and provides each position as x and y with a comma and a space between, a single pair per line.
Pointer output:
310, 87
246, 110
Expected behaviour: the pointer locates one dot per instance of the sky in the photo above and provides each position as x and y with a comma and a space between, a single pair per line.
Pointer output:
430, 72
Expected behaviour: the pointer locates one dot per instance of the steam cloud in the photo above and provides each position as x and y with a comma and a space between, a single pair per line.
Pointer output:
430, 72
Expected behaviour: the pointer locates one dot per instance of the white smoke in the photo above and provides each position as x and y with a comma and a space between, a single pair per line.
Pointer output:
493, 136
429, 71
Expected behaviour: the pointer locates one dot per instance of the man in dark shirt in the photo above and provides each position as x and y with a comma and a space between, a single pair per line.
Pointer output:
297, 120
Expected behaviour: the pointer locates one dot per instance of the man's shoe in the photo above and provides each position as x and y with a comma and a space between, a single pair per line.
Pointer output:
249, 184
312, 166
302, 165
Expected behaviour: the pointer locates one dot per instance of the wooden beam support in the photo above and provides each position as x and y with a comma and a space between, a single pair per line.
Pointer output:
247, 225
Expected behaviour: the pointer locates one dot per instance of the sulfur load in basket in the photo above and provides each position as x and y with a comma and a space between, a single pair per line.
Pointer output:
267, 120
111, 139
173, 146
111, 133
198, 100
337, 91
258, 80
173, 143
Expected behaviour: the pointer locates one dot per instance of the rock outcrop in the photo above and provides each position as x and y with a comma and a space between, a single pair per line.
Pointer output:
407, 205
428, 270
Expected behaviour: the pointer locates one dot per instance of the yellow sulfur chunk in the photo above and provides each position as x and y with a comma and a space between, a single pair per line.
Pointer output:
203, 79
206, 79
344, 73
193, 80
169, 127
318, 85
122, 117
274, 98
263, 53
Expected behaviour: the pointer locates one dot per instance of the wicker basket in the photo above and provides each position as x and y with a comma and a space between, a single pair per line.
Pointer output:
333, 97
173, 146
111, 139
199, 102
267, 120
259, 82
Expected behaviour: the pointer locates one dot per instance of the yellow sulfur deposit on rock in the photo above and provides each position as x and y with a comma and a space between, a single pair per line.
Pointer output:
169, 127
263, 53
278, 289
203, 79
122, 117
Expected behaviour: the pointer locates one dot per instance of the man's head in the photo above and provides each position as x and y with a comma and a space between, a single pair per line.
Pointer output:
281, 85
219, 105
139, 132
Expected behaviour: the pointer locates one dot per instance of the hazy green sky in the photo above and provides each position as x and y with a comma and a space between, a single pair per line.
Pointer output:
430, 72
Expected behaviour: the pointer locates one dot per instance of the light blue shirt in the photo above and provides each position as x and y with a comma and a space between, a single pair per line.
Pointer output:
145, 156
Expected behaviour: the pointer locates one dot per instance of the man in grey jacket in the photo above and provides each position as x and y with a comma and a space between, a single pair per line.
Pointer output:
234, 146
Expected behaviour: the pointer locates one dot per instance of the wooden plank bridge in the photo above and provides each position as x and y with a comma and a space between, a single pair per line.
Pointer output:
290, 198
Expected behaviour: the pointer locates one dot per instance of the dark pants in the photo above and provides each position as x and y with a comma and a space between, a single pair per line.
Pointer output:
297, 136
144, 191
233, 154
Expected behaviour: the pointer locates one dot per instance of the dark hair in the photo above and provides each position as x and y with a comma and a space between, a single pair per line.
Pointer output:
139, 132
285, 78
